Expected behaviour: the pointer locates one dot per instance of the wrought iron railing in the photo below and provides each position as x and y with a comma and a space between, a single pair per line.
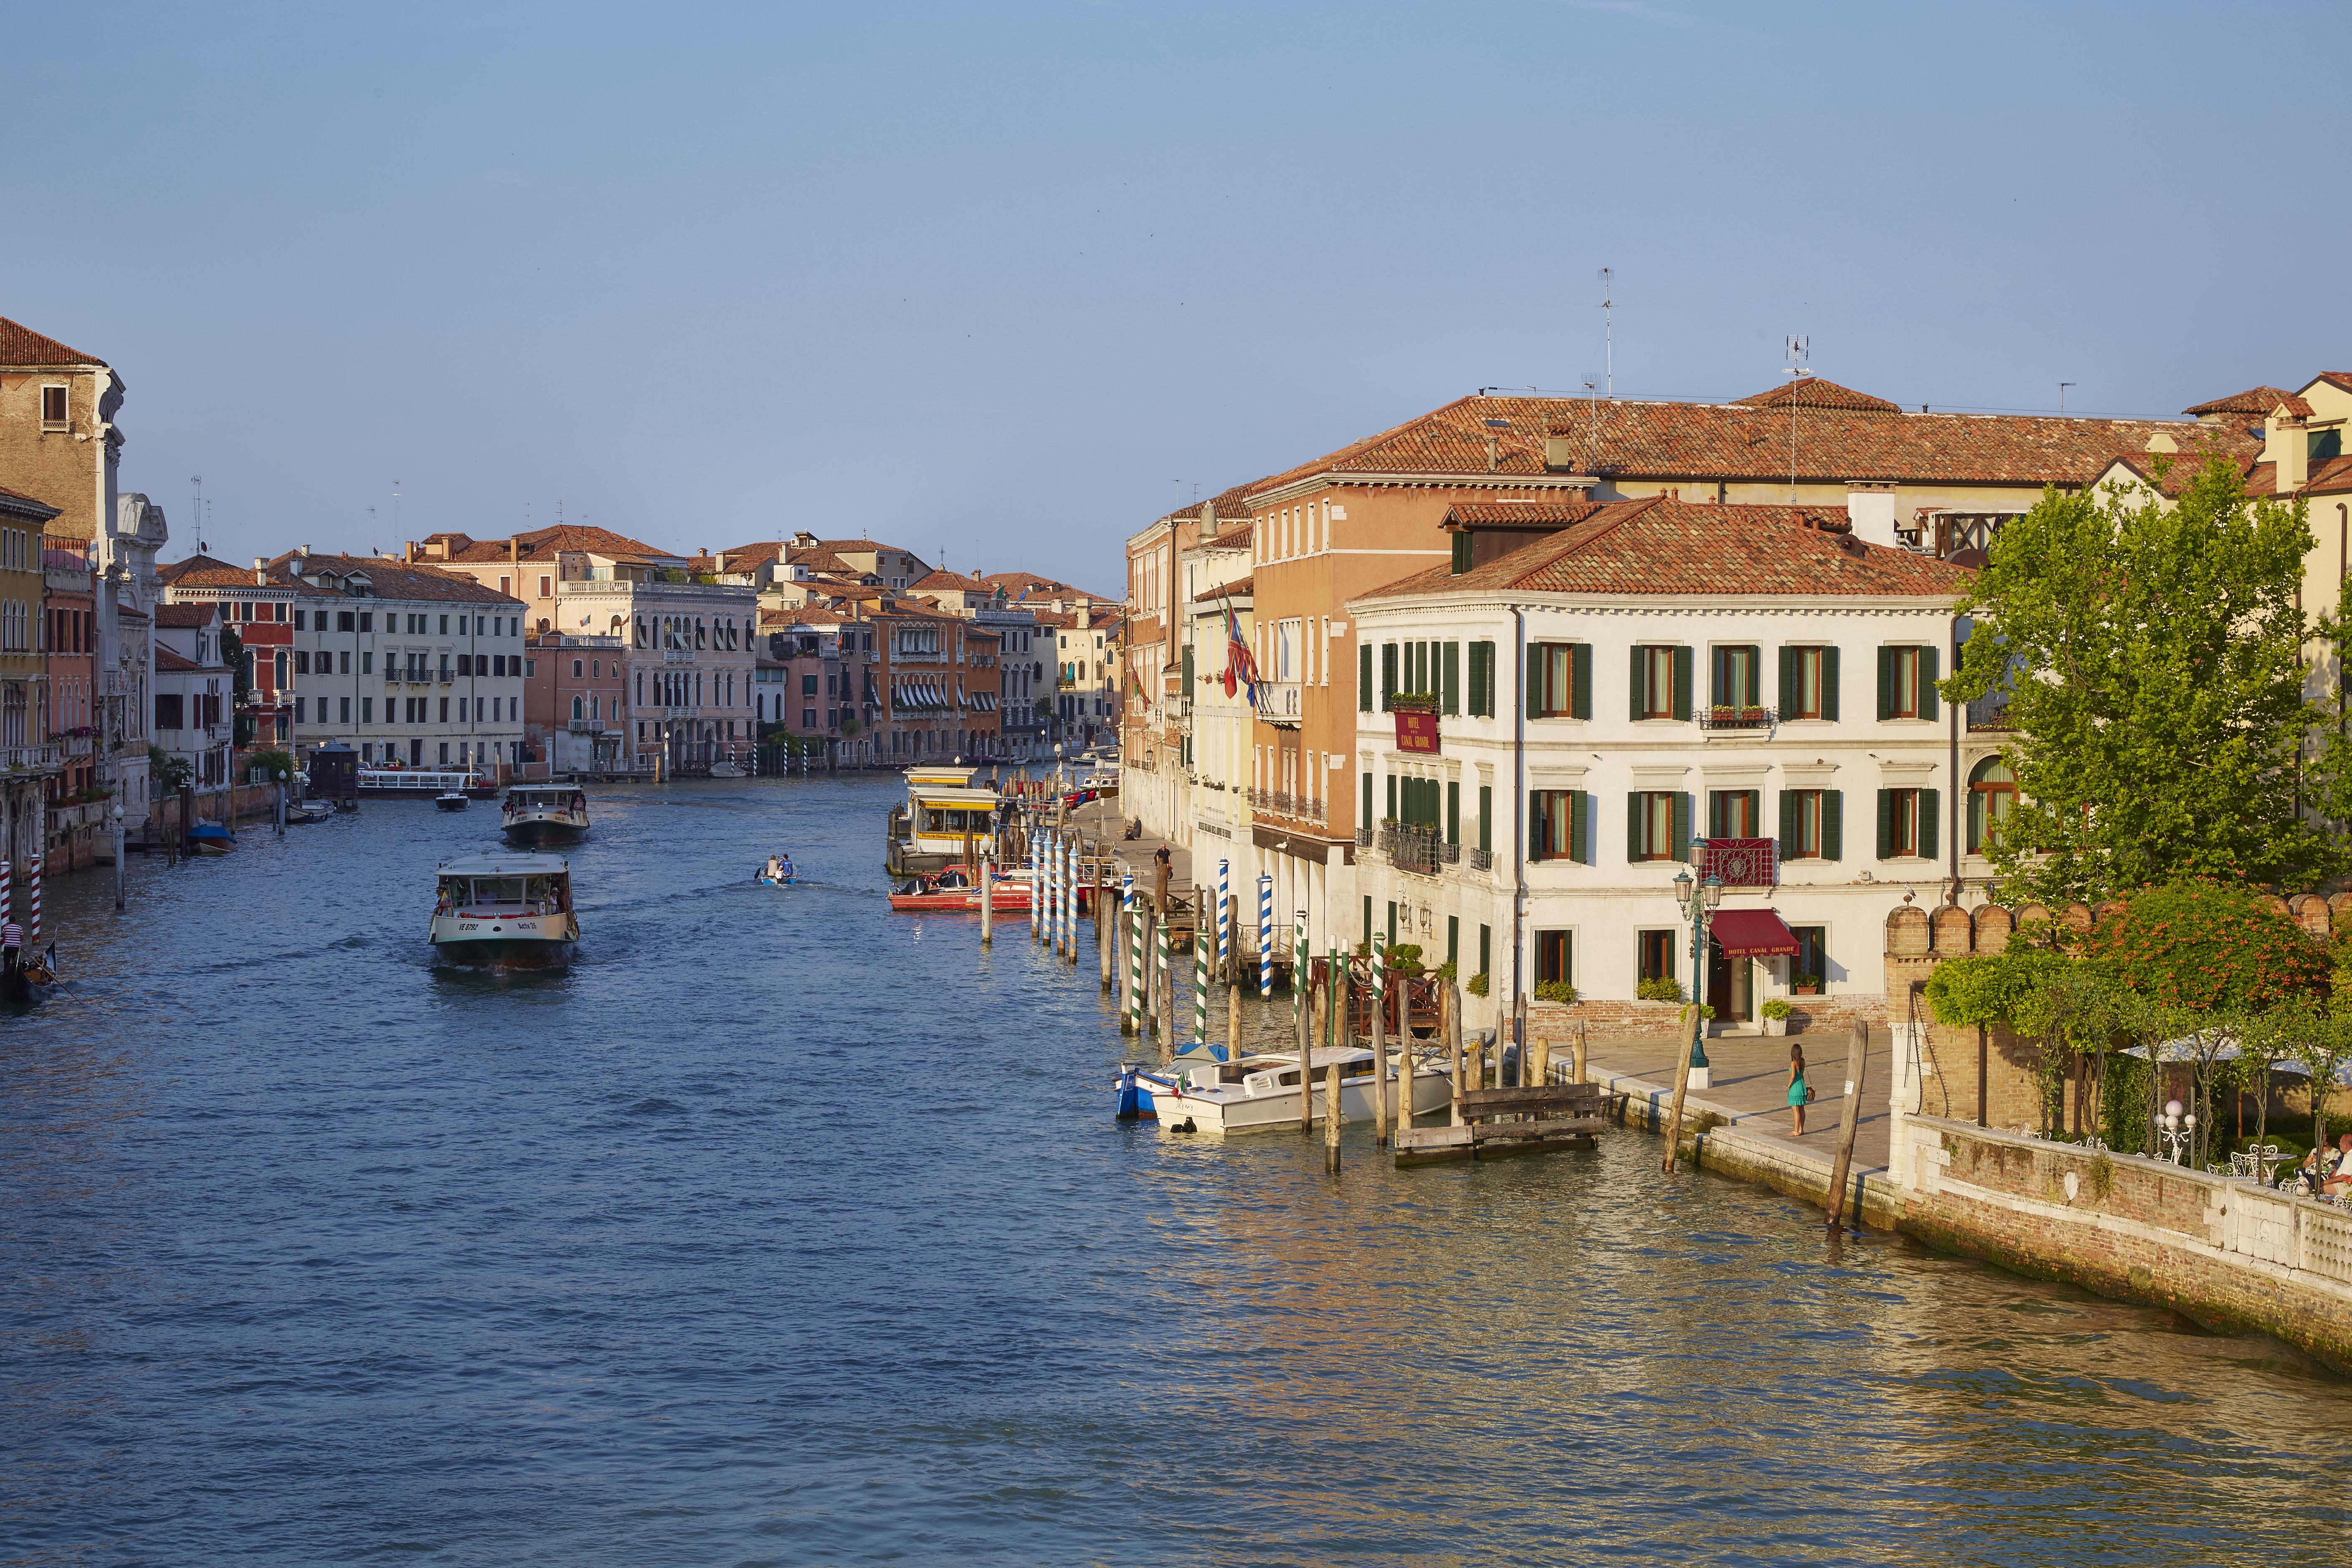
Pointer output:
1727, 718
1481, 859
1412, 848
1988, 713
1363, 837
1450, 853
1739, 862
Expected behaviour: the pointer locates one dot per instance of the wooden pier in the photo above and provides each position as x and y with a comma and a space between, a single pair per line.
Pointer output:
1497, 1123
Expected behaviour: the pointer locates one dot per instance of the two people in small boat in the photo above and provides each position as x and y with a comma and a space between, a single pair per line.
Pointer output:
779, 868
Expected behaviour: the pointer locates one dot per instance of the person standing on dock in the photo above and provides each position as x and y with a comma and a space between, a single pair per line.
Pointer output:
1798, 1092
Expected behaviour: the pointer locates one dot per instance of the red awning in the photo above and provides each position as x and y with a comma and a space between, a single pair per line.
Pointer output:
1752, 933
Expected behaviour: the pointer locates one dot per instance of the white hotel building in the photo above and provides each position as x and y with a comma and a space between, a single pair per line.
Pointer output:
1623, 690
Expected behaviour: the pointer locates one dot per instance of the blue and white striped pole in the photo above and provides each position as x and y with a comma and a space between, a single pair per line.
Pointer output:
1037, 886
1226, 920
1070, 904
1201, 945
1265, 936
1132, 1020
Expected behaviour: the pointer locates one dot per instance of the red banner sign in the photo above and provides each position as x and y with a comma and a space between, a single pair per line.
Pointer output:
1416, 732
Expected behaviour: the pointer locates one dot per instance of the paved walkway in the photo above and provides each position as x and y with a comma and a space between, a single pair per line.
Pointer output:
1750, 1090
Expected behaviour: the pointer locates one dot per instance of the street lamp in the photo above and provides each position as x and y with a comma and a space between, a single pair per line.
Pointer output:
2175, 1132
1699, 900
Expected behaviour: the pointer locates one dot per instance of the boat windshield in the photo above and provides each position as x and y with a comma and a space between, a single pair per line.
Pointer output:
955, 819
545, 894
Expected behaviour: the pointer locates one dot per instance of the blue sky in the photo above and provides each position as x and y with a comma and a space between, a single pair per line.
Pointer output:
1000, 284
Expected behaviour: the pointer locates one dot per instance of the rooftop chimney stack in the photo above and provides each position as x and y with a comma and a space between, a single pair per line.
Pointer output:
1870, 510
2287, 445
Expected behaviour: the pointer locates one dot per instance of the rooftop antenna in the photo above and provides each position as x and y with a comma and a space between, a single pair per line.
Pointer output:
198, 480
1608, 336
2062, 397
1800, 350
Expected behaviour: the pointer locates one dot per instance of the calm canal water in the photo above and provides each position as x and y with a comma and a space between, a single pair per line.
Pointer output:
783, 1230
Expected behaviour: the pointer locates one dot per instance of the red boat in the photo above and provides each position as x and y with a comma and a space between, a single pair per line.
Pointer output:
951, 892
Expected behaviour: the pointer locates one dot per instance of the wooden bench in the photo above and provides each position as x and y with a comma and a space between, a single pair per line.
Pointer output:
1560, 1116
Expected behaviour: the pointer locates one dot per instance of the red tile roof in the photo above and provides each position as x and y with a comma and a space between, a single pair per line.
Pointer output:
1660, 546
1812, 391
26, 506
942, 579
167, 659
1238, 588
1519, 514
544, 543
20, 345
389, 579
185, 616
203, 571
2254, 400
1741, 441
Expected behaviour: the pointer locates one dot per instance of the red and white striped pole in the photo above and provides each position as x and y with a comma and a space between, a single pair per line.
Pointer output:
7, 904
33, 921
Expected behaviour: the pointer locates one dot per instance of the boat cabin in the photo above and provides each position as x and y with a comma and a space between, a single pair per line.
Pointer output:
495, 886
947, 810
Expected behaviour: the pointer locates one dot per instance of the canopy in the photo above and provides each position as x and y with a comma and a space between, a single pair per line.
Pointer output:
1752, 933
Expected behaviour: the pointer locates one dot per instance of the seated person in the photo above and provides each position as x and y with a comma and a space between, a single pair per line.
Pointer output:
783, 865
772, 871
2339, 1179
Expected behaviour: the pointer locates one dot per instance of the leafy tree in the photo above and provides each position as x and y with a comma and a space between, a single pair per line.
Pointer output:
2206, 948
2151, 657
168, 771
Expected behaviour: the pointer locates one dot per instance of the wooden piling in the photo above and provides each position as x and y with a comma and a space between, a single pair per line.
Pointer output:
1299, 969
1234, 1020
1233, 938
1691, 1023
1583, 1059
1857, 1055
987, 904
1452, 1027
1106, 924
1542, 1067
1379, 1054
1331, 1117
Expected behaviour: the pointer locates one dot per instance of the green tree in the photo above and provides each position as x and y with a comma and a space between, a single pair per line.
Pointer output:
2151, 659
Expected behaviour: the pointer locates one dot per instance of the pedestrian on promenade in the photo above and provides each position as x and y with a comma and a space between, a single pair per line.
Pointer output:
1798, 1092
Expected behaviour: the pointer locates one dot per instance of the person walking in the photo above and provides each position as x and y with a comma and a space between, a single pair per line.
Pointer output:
1798, 1092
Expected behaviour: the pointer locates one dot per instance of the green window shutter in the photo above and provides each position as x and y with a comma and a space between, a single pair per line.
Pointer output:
1580, 702
1682, 683
1829, 683
1454, 942
1486, 817
1452, 812
1788, 823
1786, 698
1580, 828
1633, 815
1391, 923
1639, 687
1476, 686
1931, 823
1886, 683
1886, 822
1388, 672
1393, 810
1681, 825
1188, 674
1833, 825
1976, 821
1485, 949
1532, 679
1367, 917
1366, 820
1536, 826
1460, 553
1364, 679
1715, 694
1450, 690
1931, 661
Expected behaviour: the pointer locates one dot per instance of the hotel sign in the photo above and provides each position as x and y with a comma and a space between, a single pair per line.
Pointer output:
1416, 732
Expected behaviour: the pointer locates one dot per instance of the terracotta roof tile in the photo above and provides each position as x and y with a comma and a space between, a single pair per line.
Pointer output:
1661, 546
1744, 442
1237, 588
20, 345
2254, 400
186, 616
1812, 391
172, 662
389, 579
943, 579
1519, 514
544, 543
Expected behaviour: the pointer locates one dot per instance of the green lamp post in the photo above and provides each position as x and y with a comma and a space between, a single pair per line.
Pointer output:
1699, 900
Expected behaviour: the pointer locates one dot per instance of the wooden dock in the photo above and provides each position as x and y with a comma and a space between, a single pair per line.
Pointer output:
1499, 1124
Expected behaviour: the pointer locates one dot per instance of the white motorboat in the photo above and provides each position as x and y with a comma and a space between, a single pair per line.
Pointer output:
545, 813
505, 910
1259, 1094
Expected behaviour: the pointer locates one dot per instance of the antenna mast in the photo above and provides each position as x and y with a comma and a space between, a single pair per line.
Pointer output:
1799, 351
198, 480
1608, 336
2061, 398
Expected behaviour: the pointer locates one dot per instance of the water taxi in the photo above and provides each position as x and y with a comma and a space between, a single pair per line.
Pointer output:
1259, 1094
949, 819
545, 813
953, 892
505, 910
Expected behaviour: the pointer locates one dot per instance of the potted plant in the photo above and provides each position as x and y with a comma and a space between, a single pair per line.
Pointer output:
1476, 986
1805, 985
1776, 1012
1559, 991
1659, 988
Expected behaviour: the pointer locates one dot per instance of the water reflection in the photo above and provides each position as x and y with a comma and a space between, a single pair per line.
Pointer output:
780, 1228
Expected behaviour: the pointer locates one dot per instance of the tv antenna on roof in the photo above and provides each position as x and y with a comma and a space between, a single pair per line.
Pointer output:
198, 480
1608, 336
2062, 394
1800, 350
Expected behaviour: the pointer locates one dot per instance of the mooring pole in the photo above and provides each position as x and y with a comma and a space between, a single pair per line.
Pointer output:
1452, 1025
1857, 1054
1581, 1056
1691, 1025
1380, 1049
987, 903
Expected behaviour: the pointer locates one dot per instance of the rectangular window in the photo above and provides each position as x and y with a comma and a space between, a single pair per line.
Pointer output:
1907, 824
1560, 680
1559, 821
302, 662
343, 709
1738, 677
1462, 547
1734, 812
1449, 684
1454, 942
1808, 683
444, 711
1387, 673
1364, 678
1812, 824
1656, 951
367, 710
1661, 683
1452, 812
366, 616
1392, 922
1486, 817
1906, 682
1813, 954
1555, 953
297, 709
1657, 826
53, 408
167, 710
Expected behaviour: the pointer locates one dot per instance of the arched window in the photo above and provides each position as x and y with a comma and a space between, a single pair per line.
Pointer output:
579, 708
1992, 795
575, 674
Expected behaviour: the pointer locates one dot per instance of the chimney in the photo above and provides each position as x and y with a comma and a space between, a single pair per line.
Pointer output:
1870, 510
2287, 444
260, 572
514, 551
719, 562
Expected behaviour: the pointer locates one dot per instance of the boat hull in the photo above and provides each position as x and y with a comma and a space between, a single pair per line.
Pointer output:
509, 941
1226, 1111
962, 900
533, 831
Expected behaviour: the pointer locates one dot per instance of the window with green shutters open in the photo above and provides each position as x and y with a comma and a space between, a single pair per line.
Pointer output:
1482, 681
1559, 823
1657, 826
1449, 678
1808, 683
1907, 824
1813, 825
1661, 683
1560, 680
1906, 682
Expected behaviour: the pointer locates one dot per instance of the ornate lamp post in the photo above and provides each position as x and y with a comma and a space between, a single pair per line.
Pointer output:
2174, 1132
1699, 900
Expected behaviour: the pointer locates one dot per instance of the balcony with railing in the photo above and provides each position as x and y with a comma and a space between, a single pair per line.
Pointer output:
30, 758
1481, 859
1739, 862
1277, 701
1988, 713
1413, 847
1281, 803
1725, 718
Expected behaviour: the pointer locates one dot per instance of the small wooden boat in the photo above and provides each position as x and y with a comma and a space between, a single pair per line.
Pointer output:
726, 771
1259, 1094
30, 979
543, 813
211, 839
783, 880
452, 800
951, 892
506, 911
304, 812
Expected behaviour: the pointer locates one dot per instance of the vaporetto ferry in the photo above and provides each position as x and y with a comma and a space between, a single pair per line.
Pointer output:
505, 911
